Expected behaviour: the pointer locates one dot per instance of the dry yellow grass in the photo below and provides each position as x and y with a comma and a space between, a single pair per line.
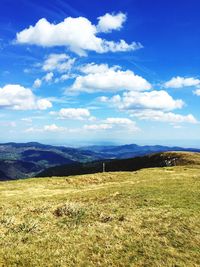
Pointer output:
144, 218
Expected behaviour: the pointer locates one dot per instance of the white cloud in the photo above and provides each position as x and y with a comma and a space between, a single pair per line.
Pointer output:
29, 130
116, 99
154, 106
159, 100
55, 63
110, 22
17, 97
73, 113
119, 121
103, 99
53, 128
115, 124
58, 62
121, 46
43, 104
48, 77
122, 123
102, 78
197, 92
78, 34
37, 83
156, 115
64, 77
179, 82
96, 127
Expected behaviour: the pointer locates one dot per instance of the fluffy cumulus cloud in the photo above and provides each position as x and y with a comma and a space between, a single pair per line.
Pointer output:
73, 113
160, 116
179, 82
159, 100
110, 22
197, 92
58, 62
17, 97
101, 78
154, 106
115, 124
68, 33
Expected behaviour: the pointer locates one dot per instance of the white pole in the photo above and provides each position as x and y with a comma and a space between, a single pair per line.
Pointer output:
104, 167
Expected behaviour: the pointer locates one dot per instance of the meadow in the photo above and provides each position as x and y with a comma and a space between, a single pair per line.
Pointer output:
144, 218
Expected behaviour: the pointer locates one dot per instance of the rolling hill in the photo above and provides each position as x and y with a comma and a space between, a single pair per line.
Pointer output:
153, 160
16, 169
18, 160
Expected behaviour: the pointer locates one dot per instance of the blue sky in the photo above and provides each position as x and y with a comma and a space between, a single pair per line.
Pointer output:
87, 72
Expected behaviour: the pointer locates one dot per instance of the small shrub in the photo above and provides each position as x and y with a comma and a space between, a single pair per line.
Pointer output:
72, 211
7, 221
121, 218
105, 218
26, 227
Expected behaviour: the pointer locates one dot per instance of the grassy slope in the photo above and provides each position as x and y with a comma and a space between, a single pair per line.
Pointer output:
144, 218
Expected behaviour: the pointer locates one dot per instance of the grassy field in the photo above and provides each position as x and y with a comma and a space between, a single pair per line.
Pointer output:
146, 218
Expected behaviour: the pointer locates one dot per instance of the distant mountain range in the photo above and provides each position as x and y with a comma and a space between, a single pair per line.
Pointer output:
22, 160
18, 160
133, 150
